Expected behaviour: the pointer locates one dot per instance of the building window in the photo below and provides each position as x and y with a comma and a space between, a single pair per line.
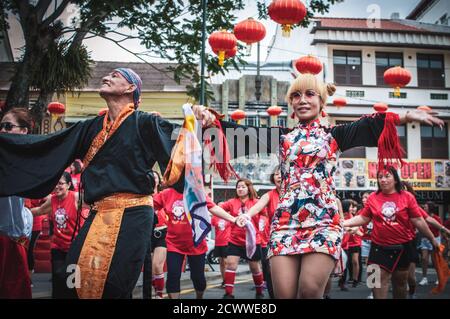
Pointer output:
401, 131
430, 70
438, 96
347, 67
353, 93
355, 152
282, 121
434, 141
252, 121
384, 61
403, 95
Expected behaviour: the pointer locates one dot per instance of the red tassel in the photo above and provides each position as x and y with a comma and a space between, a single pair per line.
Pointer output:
222, 164
323, 113
390, 151
293, 115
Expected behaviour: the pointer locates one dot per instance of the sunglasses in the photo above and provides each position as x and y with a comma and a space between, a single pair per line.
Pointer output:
8, 126
308, 94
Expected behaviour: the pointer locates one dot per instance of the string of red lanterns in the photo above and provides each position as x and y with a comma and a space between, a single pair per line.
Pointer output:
238, 115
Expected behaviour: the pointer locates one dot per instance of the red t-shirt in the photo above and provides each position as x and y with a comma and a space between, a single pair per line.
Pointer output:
179, 232
274, 199
64, 217
222, 229
76, 179
391, 216
37, 220
234, 207
447, 223
162, 218
433, 229
353, 240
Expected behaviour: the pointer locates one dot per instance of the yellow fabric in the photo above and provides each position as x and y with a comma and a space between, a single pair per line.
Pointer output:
100, 243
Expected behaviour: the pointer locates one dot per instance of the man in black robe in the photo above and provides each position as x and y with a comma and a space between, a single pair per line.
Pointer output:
118, 150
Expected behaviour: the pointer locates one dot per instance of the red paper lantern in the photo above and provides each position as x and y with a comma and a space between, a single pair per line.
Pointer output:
56, 108
380, 107
229, 53
397, 77
249, 31
102, 111
340, 102
287, 13
424, 108
222, 41
308, 64
238, 115
274, 110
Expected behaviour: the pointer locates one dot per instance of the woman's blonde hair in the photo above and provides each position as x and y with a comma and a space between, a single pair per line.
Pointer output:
305, 82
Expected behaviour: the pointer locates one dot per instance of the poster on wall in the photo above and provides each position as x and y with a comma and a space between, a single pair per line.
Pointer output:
360, 174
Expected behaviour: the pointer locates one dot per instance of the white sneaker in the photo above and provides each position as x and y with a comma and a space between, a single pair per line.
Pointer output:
424, 281
370, 296
437, 282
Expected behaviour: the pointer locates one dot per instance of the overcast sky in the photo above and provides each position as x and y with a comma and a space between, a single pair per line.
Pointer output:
104, 50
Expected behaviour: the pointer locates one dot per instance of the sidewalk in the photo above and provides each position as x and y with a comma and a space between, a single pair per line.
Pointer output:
43, 286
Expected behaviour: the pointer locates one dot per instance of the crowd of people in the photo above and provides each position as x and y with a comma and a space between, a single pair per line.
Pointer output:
112, 218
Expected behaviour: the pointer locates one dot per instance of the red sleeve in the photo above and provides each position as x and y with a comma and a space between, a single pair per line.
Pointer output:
365, 211
413, 207
227, 206
214, 221
209, 203
158, 201
424, 213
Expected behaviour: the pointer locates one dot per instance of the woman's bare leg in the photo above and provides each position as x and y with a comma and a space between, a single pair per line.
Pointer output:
382, 292
316, 269
285, 272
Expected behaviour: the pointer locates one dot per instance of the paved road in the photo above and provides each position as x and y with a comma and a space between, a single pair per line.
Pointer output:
244, 285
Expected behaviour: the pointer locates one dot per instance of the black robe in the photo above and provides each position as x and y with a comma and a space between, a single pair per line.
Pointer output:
31, 166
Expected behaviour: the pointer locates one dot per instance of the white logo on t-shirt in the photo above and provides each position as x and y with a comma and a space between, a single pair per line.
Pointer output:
389, 210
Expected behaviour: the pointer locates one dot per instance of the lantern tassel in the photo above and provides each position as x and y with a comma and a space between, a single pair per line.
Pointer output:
397, 91
286, 30
221, 57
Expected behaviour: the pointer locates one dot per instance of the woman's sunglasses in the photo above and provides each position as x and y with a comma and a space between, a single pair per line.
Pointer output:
8, 126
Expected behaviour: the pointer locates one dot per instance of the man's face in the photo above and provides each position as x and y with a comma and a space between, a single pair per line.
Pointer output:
115, 84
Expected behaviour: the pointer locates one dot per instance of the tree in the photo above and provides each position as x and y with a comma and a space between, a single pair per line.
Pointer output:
55, 60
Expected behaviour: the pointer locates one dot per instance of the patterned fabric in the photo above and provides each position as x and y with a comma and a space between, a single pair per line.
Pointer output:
135, 79
307, 218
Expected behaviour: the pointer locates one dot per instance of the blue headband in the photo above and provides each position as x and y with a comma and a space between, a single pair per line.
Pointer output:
132, 78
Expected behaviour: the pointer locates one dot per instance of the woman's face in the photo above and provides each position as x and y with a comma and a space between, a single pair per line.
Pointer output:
386, 181
9, 124
364, 199
242, 190
62, 188
277, 178
353, 209
306, 105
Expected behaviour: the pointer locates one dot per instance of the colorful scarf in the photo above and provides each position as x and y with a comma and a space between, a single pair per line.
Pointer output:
187, 155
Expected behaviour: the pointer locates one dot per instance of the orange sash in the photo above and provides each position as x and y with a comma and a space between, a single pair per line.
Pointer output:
441, 269
100, 243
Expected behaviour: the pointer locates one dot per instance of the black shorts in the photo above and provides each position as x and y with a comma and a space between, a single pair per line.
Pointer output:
233, 250
220, 251
391, 258
159, 238
354, 250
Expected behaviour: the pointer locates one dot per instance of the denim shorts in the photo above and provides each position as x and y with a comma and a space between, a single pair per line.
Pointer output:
365, 248
425, 244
